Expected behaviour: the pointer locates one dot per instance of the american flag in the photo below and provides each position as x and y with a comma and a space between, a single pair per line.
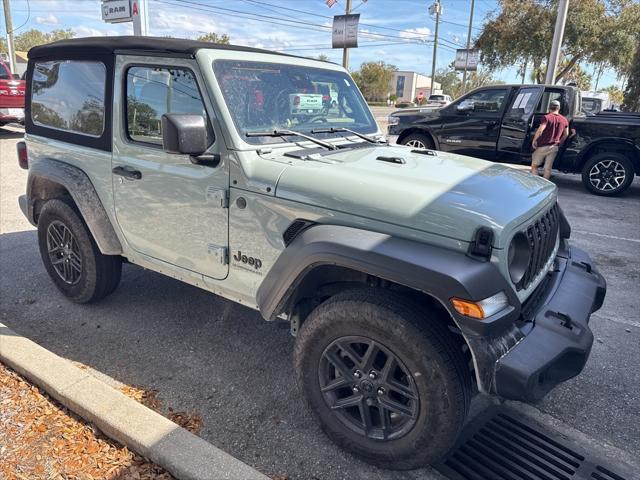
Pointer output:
331, 3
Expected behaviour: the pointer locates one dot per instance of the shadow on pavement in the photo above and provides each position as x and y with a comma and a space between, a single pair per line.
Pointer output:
201, 352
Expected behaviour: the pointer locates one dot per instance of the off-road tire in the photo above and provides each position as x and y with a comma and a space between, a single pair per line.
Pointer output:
418, 140
100, 274
421, 341
601, 161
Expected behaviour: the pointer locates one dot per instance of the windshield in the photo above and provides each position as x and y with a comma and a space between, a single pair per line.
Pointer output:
269, 96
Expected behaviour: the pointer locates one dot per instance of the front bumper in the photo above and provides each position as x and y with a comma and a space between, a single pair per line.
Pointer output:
557, 347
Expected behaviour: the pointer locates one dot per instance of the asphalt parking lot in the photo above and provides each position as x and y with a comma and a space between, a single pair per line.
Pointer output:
211, 356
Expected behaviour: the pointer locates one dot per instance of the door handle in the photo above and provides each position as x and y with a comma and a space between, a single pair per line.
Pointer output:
127, 172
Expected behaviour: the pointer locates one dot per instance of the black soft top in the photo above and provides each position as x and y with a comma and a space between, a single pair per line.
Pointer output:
132, 44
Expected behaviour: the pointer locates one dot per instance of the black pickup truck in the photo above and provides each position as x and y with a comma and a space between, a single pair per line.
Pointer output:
498, 122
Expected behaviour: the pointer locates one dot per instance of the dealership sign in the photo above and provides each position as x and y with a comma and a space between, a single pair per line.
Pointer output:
116, 11
345, 31
470, 57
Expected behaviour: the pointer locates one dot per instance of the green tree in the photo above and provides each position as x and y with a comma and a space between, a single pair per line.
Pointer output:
3, 45
33, 38
374, 80
323, 58
596, 31
631, 101
578, 76
615, 94
212, 37
451, 81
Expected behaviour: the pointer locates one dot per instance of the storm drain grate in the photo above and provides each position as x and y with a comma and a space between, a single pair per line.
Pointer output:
501, 444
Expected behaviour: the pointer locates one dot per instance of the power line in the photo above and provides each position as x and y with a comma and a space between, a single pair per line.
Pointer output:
295, 23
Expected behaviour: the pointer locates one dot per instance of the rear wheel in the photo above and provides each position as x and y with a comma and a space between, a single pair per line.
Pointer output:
71, 256
384, 377
607, 174
417, 140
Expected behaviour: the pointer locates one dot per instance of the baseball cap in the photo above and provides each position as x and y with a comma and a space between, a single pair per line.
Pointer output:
555, 103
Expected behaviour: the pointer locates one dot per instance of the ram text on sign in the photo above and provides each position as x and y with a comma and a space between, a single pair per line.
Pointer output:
116, 11
345, 31
472, 60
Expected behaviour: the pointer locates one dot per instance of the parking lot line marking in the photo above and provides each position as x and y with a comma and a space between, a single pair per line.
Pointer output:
635, 240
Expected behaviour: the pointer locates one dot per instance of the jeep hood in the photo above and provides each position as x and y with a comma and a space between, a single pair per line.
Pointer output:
443, 194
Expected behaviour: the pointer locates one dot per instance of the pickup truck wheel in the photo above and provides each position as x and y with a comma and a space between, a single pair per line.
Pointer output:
71, 256
418, 140
607, 174
384, 377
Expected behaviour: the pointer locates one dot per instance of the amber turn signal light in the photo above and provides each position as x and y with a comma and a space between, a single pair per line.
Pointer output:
467, 308
483, 308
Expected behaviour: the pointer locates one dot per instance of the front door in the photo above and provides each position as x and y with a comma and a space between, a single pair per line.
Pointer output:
515, 132
471, 125
168, 208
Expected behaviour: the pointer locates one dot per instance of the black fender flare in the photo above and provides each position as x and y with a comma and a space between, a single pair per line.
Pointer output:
79, 186
433, 270
587, 151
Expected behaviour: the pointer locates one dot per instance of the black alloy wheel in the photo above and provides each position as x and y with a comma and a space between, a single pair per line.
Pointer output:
64, 252
607, 174
369, 388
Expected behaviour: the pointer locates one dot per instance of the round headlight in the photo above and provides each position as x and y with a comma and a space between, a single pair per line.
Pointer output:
519, 253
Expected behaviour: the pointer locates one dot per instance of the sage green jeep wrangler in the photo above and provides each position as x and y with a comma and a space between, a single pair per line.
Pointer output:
412, 279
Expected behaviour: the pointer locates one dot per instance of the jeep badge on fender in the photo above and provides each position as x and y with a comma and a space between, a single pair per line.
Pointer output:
405, 269
255, 262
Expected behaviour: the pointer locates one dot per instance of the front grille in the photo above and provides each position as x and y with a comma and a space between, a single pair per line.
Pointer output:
542, 235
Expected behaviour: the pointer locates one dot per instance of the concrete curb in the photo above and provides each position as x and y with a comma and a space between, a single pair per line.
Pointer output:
144, 431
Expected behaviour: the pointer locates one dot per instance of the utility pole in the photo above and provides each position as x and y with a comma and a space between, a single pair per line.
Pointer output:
9, 26
554, 58
466, 58
345, 51
437, 8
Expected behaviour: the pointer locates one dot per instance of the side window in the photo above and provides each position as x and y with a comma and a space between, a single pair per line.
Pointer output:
485, 101
154, 91
547, 97
69, 95
4, 73
524, 103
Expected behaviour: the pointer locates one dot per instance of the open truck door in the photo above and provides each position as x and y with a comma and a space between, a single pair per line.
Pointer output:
514, 143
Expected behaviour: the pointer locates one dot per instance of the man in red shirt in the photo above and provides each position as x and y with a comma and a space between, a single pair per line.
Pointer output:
551, 133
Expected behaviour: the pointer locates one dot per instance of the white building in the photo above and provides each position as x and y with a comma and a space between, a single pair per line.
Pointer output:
408, 85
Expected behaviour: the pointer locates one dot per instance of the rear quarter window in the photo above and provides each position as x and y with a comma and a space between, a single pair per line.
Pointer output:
69, 95
4, 72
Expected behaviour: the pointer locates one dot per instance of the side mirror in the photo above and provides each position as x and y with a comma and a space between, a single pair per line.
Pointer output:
465, 106
184, 133
15, 76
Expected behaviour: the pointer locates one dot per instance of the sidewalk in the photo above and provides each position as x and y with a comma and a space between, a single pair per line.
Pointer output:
121, 418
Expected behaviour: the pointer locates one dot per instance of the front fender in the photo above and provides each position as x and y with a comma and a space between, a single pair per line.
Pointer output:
45, 175
437, 271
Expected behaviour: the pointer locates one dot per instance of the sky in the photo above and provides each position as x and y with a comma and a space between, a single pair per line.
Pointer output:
399, 32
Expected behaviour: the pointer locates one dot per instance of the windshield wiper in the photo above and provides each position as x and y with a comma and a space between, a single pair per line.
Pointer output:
291, 133
342, 129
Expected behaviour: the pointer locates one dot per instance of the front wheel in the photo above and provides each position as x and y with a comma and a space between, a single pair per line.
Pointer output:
385, 378
418, 140
607, 174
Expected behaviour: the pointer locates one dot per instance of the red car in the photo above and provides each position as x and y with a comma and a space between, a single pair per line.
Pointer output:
11, 96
